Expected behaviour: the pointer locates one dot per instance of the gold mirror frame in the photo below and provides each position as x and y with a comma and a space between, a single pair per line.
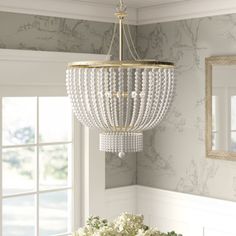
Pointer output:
209, 63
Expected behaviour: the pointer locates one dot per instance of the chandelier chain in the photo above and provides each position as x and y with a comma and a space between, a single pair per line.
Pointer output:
112, 40
132, 42
128, 44
131, 46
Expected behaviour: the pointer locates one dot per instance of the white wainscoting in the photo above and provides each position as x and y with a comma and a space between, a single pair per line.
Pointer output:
187, 214
119, 200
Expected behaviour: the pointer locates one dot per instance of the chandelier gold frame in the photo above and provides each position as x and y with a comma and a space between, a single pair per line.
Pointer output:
124, 64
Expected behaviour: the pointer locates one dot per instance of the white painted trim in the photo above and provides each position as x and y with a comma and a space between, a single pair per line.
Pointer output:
93, 170
170, 11
46, 56
185, 10
47, 69
76, 175
1, 176
188, 214
171, 210
119, 200
67, 9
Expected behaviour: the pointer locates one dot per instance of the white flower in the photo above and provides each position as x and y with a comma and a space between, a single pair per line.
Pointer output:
124, 225
149, 232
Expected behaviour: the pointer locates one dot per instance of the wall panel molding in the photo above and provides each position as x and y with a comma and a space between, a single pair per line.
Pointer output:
188, 214
118, 200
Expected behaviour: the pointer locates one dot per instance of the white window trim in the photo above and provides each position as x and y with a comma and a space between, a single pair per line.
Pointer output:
89, 176
37, 190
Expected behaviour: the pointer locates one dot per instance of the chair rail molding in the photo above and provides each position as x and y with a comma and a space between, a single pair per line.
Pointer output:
171, 10
188, 214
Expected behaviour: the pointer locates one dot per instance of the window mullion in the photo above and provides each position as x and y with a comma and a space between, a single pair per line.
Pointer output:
1, 169
75, 175
37, 171
37, 144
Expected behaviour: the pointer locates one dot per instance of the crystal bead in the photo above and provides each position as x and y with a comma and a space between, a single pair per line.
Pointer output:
121, 102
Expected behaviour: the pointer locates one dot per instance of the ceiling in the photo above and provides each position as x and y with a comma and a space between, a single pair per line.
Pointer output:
133, 3
140, 12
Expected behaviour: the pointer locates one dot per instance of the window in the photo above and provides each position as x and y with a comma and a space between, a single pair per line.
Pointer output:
35, 198
37, 166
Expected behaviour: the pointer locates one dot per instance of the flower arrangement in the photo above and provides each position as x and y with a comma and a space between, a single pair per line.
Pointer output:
125, 225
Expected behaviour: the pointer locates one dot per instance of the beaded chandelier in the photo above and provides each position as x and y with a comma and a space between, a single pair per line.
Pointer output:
121, 98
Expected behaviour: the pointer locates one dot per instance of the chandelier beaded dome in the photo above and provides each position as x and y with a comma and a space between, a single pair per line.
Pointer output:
121, 98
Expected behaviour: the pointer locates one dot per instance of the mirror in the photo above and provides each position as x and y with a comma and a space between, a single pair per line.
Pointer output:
221, 107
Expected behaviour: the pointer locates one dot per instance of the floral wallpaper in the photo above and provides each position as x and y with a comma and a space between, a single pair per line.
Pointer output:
174, 153
31, 32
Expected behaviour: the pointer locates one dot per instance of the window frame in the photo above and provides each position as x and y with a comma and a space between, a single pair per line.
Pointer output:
89, 172
74, 165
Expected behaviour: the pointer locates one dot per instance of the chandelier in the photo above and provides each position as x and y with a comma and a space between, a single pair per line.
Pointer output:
121, 98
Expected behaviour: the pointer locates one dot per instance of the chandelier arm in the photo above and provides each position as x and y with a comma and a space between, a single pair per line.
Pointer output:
121, 40
121, 14
127, 42
132, 42
112, 40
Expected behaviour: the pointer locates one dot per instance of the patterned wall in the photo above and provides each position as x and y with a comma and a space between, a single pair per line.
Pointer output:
20, 31
174, 155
